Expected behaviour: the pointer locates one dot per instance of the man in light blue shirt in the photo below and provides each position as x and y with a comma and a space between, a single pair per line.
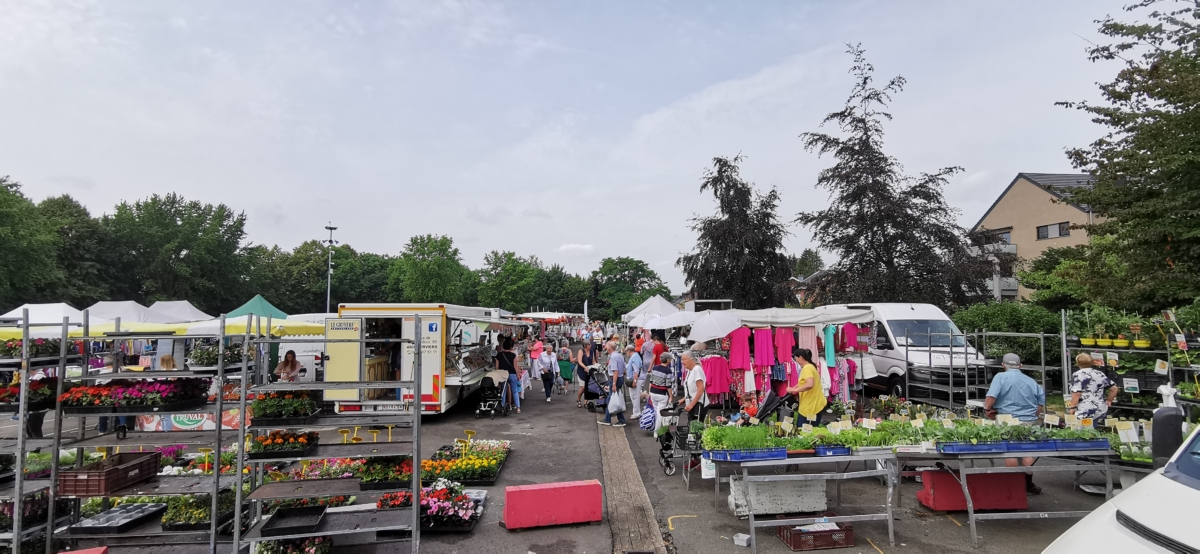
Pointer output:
634, 375
616, 380
1019, 396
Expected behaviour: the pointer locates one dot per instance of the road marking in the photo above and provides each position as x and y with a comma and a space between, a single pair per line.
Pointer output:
954, 520
671, 524
873, 545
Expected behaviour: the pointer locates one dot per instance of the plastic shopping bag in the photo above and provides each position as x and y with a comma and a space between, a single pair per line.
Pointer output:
647, 419
616, 403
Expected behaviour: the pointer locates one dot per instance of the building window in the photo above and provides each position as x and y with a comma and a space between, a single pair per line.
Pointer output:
1054, 231
1003, 238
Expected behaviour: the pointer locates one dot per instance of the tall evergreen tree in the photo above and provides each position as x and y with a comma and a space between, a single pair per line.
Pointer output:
894, 234
739, 252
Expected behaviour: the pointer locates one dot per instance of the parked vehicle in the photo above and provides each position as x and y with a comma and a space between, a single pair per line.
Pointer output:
1154, 515
916, 342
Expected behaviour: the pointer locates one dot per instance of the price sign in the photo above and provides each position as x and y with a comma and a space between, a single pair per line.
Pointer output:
903, 418
1181, 342
846, 417
1072, 421
951, 416
988, 422
917, 423
1003, 418
834, 428
948, 423
788, 419
787, 427
922, 417
754, 421
894, 417
1127, 431
1085, 422
1052, 420
806, 428
977, 420
1130, 385
869, 423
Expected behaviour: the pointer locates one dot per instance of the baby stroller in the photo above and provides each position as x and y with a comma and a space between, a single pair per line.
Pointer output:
596, 392
492, 395
667, 439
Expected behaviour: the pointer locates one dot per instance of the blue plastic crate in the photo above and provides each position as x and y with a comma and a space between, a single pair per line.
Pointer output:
1031, 446
833, 450
715, 455
757, 454
983, 447
1086, 444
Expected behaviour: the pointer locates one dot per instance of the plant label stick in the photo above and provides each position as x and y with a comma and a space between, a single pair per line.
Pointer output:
869, 424
1052, 420
917, 423
948, 423
806, 428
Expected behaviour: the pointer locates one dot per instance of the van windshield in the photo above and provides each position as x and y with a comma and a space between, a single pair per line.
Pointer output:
926, 332
1187, 464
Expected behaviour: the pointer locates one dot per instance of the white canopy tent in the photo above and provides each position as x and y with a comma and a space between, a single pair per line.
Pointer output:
713, 325
318, 317
792, 317
182, 310
671, 321
130, 311
47, 313
655, 305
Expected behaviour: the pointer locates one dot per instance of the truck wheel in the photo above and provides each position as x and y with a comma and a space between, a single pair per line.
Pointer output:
896, 387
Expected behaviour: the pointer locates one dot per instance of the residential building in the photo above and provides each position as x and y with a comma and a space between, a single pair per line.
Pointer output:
1033, 214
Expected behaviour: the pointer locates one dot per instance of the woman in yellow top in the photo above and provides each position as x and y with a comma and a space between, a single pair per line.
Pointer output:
808, 388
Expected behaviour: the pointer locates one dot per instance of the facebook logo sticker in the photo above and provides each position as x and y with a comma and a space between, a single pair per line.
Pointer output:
433, 327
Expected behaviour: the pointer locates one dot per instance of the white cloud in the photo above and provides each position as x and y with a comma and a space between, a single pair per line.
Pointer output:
572, 247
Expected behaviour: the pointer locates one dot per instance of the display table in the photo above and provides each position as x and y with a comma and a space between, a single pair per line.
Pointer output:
1080, 461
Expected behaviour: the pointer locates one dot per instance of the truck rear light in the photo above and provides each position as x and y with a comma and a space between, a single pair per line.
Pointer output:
350, 408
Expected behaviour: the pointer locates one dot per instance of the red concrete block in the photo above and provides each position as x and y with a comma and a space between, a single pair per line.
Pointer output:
100, 550
995, 491
528, 506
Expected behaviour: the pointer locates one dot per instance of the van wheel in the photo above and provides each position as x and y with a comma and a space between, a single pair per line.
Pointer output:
896, 387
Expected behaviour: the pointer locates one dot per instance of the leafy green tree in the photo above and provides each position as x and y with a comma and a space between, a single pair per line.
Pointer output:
739, 252
895, 236
807, 263
28, 246
620, 284
1147, 187
173, 248
556, 290
1013, 317
429, 269
86, 272
506, 281
359, 276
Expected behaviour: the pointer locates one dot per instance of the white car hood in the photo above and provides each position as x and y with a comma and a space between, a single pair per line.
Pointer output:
1163, 505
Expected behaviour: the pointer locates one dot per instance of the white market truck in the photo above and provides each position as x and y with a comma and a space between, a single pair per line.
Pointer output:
456, 352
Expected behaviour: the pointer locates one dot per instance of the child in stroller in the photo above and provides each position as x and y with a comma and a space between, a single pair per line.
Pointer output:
596, 393
492, 389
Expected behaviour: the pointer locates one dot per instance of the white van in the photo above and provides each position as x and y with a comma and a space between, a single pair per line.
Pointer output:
920, 336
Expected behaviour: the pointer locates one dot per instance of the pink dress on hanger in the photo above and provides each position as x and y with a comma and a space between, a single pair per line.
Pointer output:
739, 349
716, 375
785, 339
808, 339
764, 350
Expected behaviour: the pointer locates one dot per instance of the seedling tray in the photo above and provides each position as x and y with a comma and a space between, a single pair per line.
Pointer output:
1031, 446
293, 521
109, 475
284, 421
118, 520
181, 406
201, 526
389, 485
983, 447
273, 454
1090, 444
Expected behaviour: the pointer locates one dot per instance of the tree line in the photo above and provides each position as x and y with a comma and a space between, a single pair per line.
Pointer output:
169, 248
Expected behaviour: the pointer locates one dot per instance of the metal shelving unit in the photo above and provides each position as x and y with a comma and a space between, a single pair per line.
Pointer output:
365, 520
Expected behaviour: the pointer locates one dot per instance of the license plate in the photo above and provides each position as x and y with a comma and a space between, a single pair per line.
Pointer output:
390, 408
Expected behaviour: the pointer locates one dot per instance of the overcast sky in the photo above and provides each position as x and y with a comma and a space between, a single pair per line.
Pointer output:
572, 131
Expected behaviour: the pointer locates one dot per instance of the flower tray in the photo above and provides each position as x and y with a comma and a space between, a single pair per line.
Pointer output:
801, 453
833, 450
109, 475
117, 520
1089, 444
983, 447
273, 454
430, 527
1031, 446
12, 407
293, 521
284, 421
484, 482
181, 406
389, 485
88, 410
200, 526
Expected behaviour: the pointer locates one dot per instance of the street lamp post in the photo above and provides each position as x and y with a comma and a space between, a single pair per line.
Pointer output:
329, 272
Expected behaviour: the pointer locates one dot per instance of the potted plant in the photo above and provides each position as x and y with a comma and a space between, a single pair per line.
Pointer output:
308, 545
40, 395
1120, 341
193, 512
283, 444
1138, 341
283, 408
204, 357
